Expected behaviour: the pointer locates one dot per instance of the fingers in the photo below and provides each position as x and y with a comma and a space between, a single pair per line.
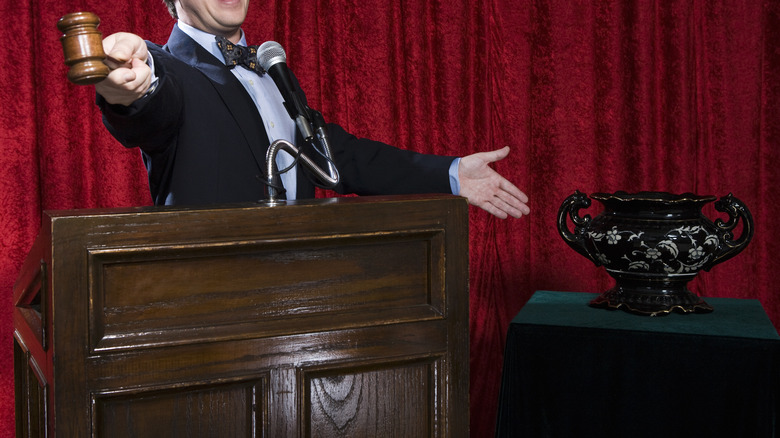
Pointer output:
506, 186
126, 85
130, 78
500, 202
502, 209
510, 204
137, 77
495, 211
506, 196
121, 48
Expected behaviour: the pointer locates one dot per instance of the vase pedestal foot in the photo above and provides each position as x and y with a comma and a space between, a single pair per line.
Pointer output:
651, 303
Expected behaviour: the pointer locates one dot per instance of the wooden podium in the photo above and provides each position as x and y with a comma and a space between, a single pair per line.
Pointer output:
329, 317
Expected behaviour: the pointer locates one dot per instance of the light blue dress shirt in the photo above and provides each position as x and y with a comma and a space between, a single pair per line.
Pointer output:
270, 104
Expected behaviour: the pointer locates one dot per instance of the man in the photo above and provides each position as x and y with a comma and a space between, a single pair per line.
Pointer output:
204, 128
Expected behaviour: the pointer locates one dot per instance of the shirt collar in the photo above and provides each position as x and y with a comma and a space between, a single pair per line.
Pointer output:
207, 40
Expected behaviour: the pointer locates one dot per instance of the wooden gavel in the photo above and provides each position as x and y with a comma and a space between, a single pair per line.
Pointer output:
82, 45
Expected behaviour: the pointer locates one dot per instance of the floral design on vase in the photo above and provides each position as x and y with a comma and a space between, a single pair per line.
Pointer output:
697, 246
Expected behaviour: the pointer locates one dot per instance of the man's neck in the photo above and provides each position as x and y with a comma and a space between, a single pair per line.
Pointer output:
205, 39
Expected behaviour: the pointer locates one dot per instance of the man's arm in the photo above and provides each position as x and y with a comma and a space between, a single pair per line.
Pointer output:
487, 189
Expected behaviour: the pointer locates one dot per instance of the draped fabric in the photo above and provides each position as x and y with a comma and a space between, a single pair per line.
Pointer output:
669, 95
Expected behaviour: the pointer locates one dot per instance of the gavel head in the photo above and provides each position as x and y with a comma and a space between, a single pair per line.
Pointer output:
82, 45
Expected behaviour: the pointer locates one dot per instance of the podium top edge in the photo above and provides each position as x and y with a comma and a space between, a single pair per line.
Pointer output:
167, 209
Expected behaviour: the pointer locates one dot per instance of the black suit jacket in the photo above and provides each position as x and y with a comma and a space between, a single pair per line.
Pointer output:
203, 141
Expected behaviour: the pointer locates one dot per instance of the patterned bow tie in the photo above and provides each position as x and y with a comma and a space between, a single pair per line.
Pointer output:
239, 55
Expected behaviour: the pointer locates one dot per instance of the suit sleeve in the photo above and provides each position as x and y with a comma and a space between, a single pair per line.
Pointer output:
151, 122
370, 167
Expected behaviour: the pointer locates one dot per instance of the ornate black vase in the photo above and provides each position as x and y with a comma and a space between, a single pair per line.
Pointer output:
653, 244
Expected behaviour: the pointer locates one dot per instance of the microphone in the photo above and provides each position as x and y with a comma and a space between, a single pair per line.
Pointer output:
273, 59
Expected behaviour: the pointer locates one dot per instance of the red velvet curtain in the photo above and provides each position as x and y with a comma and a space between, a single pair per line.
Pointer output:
670, 95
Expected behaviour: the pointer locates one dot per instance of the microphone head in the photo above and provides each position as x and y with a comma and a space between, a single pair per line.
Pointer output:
270, 53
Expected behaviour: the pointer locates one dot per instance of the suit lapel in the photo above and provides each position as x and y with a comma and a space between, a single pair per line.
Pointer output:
233, 94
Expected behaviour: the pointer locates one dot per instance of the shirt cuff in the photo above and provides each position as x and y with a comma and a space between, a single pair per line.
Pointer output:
454, 178
155, 79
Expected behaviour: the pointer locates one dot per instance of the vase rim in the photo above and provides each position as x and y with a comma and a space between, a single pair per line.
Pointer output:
666, 197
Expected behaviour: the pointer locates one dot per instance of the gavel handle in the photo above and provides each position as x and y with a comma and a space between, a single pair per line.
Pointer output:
82, 45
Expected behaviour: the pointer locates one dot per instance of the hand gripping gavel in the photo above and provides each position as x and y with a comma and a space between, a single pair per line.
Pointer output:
82, 45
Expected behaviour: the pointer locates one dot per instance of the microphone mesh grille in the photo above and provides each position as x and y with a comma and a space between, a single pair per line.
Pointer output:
270, 53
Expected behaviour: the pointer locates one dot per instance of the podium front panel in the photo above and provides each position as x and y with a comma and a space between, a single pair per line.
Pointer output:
336, 317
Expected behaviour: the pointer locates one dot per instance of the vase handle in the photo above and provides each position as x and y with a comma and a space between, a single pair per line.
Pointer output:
729, 247
571, 207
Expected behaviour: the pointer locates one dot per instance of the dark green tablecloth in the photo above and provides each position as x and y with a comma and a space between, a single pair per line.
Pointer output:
574, 371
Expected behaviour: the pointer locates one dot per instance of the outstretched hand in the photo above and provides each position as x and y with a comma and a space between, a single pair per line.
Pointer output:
487, 189
131, 76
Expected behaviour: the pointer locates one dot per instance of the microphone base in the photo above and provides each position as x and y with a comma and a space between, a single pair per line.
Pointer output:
272, 202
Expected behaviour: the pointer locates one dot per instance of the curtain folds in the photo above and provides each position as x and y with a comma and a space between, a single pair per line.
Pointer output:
678, 95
